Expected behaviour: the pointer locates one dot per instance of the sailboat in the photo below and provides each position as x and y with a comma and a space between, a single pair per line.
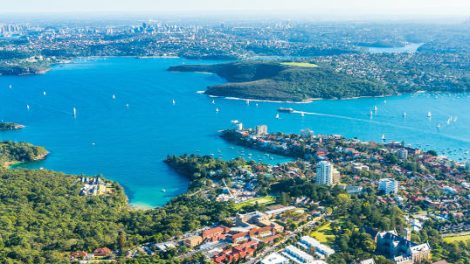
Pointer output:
10, 86
247, 102
213, 101
28, 107
44, 93
376, 108
383, 137
74, 112
217, 109
114, 97
371, 114
277, 116
438, 126
174, 102
127, 106
429, 115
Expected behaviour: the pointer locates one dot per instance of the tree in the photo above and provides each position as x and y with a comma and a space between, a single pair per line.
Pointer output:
122, 242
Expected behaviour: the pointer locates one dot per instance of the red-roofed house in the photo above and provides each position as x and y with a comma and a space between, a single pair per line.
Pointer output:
102, 252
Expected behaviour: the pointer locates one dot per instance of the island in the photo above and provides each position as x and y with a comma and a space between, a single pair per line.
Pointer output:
5, 126
285, 81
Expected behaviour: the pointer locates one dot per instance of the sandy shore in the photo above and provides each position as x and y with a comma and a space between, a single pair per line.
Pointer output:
7, 165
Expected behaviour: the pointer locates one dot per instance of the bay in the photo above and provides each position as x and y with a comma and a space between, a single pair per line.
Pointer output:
126, 122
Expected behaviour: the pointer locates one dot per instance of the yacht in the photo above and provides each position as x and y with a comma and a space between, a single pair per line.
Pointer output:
285, 110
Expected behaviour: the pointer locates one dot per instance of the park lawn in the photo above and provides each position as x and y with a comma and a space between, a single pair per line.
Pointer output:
457, 239
324, 234
300, 64
261, 201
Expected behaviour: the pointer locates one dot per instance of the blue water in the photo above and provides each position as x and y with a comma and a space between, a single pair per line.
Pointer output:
128, 144
408, 48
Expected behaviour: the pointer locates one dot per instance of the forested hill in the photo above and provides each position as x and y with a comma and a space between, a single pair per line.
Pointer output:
12, 152
285, 81
42, 217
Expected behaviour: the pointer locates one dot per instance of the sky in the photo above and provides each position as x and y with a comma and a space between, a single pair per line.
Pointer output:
211, 7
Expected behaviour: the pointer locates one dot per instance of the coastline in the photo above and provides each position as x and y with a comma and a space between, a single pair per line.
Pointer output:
10, 164
139, 206
307, 101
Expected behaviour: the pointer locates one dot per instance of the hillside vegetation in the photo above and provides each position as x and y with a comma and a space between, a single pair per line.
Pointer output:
285, 81
42, 216
13, 152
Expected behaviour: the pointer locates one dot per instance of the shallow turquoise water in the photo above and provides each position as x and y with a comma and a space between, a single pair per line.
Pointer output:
128, 143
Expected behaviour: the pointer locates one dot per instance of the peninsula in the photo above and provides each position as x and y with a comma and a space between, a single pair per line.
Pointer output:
5, 126
285, 81
13, 152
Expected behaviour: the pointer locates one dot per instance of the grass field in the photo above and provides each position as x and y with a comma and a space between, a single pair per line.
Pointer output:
456, 239
300, 64
324, 234
261, 200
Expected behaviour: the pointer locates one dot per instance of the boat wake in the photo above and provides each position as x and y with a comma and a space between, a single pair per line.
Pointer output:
369, 121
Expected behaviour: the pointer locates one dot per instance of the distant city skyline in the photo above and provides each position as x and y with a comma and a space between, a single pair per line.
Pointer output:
262, 7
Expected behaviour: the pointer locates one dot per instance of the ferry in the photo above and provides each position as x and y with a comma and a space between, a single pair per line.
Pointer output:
285, 110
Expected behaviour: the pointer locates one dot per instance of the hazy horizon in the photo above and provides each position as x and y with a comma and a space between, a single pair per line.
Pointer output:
292, 8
